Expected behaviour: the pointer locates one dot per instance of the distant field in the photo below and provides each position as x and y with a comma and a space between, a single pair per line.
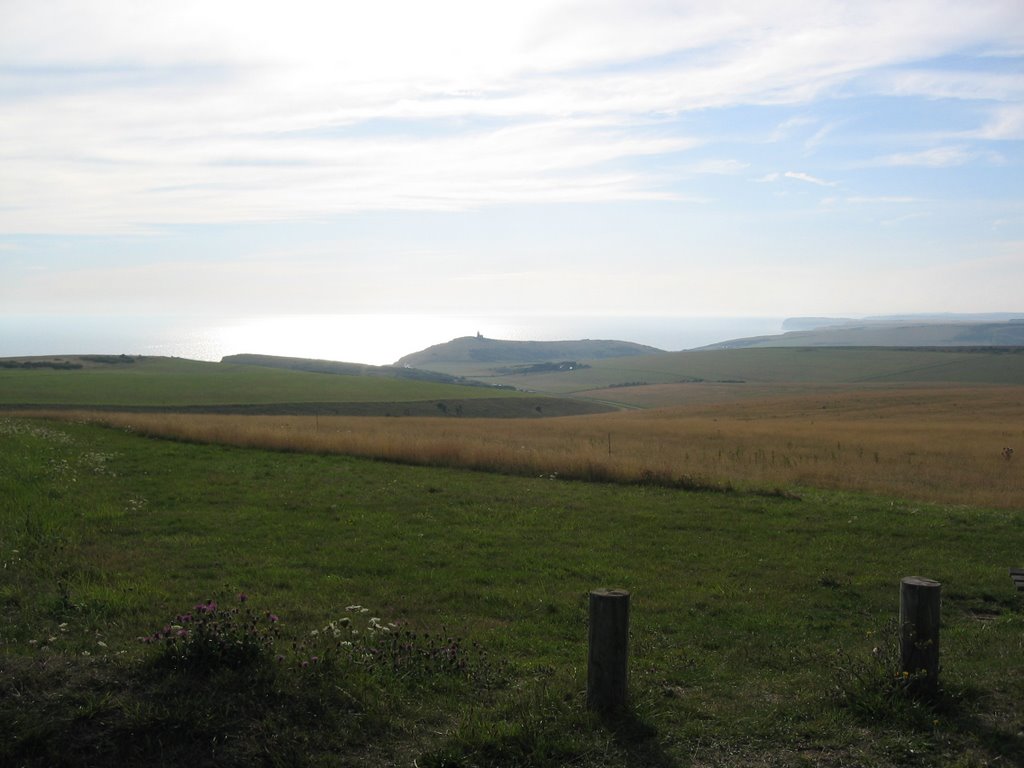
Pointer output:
647, 381
761, 418
171, 383
904, 334
733, 372
937, 444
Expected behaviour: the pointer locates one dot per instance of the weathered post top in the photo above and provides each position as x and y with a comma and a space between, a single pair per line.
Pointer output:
920, 581
610, 593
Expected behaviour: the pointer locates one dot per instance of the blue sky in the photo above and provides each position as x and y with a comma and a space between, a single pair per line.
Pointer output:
625, 158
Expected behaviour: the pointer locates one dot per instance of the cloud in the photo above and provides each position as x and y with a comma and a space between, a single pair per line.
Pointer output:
133, 113
950, 83
809, 179
884, 199
1005, 123
254, 178
720, 167
796, 176
936, 157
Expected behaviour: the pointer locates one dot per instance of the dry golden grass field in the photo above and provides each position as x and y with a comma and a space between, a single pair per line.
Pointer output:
931, 444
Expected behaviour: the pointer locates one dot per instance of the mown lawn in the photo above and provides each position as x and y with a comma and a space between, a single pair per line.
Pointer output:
762, 627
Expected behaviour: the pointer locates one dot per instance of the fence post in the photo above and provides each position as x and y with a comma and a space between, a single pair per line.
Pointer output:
919, 630
607, 661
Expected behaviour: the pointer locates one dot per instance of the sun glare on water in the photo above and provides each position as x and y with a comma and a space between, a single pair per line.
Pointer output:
372, 339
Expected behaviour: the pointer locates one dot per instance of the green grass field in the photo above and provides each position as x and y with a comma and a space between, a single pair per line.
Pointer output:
668, 379
773, 369
762, 627
157, 381
168, 384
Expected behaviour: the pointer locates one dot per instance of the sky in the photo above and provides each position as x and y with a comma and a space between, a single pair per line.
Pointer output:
649, 157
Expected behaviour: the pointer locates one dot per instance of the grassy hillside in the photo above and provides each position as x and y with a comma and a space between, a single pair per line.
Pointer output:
173, 383
762, 628
774, 370
662, 379
479, 353
342, 368
903, 334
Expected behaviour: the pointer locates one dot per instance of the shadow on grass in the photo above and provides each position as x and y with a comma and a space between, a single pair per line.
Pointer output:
956, 719
637, 739
958, 711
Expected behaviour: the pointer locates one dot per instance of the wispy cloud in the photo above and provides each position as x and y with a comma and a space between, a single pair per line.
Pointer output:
936, 157
135, 113
883, 199
1005, 123
798, 176
950, 83
721, 167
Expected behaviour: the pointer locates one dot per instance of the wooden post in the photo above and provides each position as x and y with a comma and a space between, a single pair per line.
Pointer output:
919, 631
607, 662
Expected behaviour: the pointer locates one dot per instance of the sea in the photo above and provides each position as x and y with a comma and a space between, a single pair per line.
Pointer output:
375, 339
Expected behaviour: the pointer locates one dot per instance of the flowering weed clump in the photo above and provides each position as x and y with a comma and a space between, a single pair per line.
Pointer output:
210, 637
376, 647
419, 656
876, 689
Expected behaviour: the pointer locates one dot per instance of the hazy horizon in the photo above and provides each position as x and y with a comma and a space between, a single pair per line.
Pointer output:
738, 159
369, 339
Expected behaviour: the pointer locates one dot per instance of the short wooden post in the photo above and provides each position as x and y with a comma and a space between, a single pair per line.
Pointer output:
607, 662
919, 631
